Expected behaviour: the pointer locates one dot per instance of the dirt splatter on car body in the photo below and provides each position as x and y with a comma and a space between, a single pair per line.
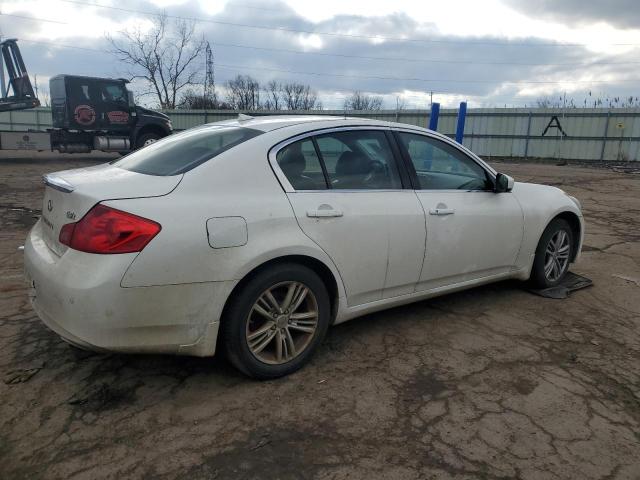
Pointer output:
489, 383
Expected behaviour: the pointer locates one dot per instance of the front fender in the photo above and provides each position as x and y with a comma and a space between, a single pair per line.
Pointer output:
540, 205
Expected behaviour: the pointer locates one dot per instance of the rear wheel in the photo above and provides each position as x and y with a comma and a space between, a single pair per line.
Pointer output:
275, 324
553, 255
147, 139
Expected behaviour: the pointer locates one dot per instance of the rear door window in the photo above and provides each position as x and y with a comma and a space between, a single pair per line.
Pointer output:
184, 151
301, 165
359, 160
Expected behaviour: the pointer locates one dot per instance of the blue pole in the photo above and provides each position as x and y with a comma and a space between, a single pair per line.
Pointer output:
462, 113
433, 116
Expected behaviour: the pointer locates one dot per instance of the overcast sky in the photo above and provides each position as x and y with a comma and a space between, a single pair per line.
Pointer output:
489, 52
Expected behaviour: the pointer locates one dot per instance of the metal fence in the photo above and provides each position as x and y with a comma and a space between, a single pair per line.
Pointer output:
577, 134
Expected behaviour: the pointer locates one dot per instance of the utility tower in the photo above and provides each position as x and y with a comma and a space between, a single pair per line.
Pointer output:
209, 79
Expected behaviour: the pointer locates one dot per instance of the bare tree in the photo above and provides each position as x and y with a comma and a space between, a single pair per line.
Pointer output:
165, 56
197, 101
273, 92
45, 99
362, 101
548, 102
290, 96
44, 96
298, 96
243, 93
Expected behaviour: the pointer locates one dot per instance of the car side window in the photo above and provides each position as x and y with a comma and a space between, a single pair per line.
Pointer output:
301, 165
440, 166
184, 151
114, 93
359, 160
78, 91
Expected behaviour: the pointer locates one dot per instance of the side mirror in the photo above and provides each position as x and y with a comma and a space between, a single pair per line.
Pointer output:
504, 183
132, 102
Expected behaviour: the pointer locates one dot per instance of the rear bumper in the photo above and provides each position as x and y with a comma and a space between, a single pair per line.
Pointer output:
78, 296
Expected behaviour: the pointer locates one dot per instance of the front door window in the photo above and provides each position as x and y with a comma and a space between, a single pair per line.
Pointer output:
440, 166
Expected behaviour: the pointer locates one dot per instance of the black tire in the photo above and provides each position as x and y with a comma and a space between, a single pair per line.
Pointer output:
237, 314
538, 278
142, 139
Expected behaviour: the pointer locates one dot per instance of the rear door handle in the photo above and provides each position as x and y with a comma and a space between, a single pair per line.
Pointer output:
324, 211
442, 211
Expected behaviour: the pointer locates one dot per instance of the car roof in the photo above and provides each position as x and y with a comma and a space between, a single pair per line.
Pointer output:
267, 123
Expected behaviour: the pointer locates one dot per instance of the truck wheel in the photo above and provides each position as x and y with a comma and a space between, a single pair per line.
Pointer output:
147, 139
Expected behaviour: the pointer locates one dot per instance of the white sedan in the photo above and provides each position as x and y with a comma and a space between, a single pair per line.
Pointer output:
254, 235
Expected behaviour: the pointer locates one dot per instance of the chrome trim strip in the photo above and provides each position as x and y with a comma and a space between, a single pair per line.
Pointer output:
444, 138
273, 152
288, 188
57, 183
358, 190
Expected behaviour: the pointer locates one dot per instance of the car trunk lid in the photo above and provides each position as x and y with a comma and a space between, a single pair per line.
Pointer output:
70, 194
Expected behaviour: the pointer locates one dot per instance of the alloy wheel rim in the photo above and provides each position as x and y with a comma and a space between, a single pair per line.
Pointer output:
149, 141
282, 322
556, 256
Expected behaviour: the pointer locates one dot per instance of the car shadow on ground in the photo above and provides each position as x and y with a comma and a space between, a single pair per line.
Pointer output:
102, 381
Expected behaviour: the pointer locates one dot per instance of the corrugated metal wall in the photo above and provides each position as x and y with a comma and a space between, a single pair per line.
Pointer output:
589, 134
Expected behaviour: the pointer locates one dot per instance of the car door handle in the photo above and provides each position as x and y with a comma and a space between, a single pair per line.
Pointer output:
324, 211
442, 211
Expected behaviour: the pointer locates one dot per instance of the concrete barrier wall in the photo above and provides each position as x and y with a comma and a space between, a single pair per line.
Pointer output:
577, 134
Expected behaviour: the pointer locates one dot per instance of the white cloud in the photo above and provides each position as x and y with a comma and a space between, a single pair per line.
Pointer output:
466, 31
476, 18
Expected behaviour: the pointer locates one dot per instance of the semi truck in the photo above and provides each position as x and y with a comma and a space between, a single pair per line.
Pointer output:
88, 113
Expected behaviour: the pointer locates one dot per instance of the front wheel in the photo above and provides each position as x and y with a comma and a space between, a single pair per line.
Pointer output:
147, 139
276, 322
553, 255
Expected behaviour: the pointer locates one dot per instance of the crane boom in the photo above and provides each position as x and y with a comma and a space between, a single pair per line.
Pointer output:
19, 86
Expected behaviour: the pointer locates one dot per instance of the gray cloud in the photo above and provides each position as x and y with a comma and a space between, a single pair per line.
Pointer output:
473, 67
620, 13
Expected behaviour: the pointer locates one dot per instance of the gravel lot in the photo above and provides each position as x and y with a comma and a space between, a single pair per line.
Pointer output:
490, 383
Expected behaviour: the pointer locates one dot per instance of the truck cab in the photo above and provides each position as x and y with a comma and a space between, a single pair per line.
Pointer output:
100, 114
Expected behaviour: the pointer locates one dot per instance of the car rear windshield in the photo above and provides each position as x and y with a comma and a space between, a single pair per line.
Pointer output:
184, 151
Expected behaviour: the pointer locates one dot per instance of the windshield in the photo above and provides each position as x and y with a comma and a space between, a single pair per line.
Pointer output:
184, 151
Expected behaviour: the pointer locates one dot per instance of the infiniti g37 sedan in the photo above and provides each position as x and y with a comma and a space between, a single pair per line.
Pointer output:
254, 235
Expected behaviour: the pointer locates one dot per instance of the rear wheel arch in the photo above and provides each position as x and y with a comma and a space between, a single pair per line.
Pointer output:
317, 266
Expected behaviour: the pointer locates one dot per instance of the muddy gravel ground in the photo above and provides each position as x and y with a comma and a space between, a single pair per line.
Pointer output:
489, 383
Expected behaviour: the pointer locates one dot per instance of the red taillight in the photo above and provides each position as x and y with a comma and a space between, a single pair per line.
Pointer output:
107, 230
